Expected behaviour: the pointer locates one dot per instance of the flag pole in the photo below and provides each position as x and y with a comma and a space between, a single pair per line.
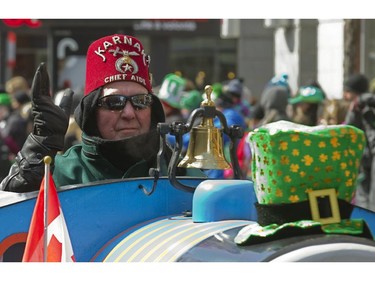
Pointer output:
47, 161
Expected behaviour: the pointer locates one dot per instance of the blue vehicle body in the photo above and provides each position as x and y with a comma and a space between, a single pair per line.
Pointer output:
114, 221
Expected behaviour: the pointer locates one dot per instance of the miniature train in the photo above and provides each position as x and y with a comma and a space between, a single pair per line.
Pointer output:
189, 219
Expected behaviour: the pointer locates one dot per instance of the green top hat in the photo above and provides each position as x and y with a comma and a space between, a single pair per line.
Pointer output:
296, 170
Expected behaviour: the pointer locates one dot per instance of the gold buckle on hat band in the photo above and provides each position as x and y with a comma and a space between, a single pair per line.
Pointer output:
333, 203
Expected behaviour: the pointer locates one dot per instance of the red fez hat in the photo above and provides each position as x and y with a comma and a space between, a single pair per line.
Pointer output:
116, 58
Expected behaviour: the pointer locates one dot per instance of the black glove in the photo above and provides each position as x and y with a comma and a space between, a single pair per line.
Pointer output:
50, 121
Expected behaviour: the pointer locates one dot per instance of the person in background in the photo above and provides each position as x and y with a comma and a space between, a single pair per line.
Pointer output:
243, 149
5, 153
234, 90
118, 116
170, 94
307, 105
21, 102
15, 125
190, 101
280, 80
5, 107
74, 132
17, 84
217, 90
361, 114
334, 111
355, 86
256, 115
274, 101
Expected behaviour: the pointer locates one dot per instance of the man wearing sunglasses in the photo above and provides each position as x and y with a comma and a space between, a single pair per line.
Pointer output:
118, 116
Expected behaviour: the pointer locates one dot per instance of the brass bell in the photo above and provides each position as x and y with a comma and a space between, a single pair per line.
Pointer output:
205, 150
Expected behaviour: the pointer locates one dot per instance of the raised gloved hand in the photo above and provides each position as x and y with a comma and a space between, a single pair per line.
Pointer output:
50, 121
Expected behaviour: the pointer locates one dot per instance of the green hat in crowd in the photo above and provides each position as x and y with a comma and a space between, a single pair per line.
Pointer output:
172, 90
192, 100
217, 90
5, 99
308, 94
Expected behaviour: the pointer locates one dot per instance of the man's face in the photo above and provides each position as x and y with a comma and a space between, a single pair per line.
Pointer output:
128, 122
4, 112
349, 96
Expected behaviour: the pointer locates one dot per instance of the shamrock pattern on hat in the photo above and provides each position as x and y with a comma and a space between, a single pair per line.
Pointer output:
289, 160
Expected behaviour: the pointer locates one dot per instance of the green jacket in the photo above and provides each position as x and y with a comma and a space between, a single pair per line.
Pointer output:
83, 163
78, 166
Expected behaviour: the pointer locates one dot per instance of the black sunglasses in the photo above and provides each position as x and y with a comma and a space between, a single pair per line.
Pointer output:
118, 102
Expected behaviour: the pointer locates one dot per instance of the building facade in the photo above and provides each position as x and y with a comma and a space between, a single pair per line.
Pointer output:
212, 49
187, 46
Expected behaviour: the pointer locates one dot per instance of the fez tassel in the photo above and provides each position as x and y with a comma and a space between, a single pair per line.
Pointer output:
48, 238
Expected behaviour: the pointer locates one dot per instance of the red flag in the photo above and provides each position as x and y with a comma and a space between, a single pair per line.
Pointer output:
59, 247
